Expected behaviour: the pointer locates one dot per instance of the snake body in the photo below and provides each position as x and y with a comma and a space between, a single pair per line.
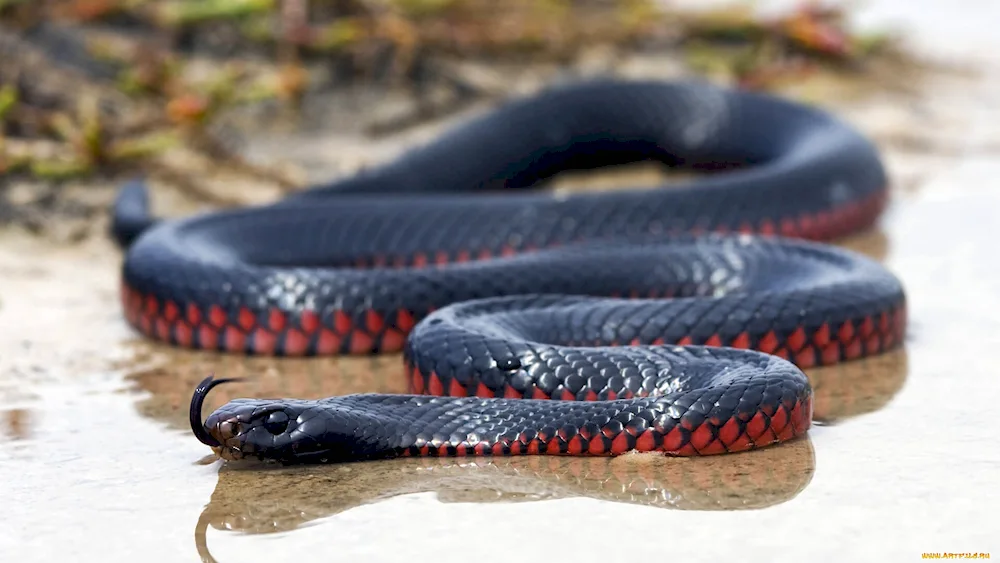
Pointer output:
532, 322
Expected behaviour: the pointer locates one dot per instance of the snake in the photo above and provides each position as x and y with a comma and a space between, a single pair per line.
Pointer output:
676, 319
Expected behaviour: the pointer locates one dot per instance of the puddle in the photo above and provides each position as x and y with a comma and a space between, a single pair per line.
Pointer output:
97, 463
272, 501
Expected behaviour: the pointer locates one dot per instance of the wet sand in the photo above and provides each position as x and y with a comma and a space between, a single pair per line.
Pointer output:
97, 463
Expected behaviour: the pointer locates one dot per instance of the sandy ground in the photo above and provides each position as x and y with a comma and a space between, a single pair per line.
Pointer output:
97, 465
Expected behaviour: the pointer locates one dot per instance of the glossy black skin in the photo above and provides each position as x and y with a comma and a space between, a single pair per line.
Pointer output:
513, 322
559, 343
703, 383
467, 191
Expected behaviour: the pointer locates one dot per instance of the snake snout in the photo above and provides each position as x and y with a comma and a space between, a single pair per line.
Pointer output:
227, 431
223, 429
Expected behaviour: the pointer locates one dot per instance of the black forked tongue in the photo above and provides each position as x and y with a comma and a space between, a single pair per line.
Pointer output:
197, 400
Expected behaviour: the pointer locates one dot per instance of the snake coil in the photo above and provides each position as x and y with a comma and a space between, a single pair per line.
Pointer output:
531, 322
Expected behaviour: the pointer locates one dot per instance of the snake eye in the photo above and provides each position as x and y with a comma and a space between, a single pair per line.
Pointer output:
276, 422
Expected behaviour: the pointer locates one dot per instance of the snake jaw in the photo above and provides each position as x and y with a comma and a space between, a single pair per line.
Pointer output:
197, 400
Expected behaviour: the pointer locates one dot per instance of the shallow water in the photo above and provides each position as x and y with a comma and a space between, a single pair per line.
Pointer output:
96, 463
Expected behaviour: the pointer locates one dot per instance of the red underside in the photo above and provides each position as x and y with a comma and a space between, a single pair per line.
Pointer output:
168, 321
768, 426
171, 322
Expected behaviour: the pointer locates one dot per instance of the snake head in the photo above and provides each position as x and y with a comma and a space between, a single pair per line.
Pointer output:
285, 430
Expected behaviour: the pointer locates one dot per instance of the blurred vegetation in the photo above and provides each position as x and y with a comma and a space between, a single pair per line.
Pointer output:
93, 86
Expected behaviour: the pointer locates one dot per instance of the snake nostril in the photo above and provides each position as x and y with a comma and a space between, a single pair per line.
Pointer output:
228, 429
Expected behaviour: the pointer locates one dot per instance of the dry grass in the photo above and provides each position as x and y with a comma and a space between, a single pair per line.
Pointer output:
98, 87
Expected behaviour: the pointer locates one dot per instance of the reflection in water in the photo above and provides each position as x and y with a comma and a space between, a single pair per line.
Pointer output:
859, 387
254, 501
